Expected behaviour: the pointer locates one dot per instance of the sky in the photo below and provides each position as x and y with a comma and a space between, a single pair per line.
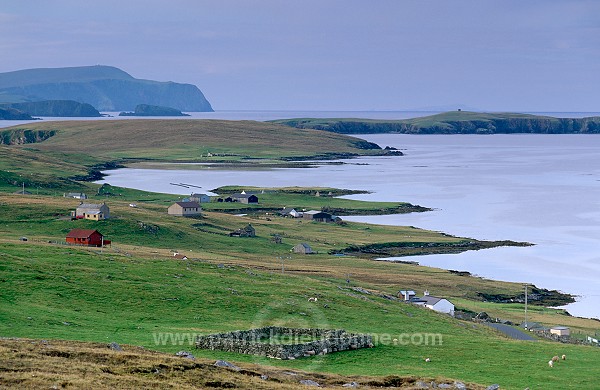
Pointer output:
347, 55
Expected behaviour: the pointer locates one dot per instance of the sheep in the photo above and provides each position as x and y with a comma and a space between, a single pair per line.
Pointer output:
427, 360
564, 357
312, 299
555, 358
551, 363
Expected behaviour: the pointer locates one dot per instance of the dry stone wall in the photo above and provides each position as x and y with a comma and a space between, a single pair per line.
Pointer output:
284, 343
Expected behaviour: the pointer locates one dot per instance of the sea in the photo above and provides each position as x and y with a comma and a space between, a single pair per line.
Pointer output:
542, 189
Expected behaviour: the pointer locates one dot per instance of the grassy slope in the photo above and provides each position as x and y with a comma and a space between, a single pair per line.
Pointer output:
68, 293
187, 139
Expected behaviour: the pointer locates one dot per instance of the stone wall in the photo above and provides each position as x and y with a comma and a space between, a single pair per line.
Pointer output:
260, 342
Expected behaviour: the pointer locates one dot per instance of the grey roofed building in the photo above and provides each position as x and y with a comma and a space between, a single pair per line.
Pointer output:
92, 208
185, 209
75, 195
243, 198
302, 248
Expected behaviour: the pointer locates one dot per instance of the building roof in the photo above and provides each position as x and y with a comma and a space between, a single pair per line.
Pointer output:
81, 233
91, 205
305, 245
241, 195
409, 292
430, 300
198, 195
560, 327
188, 204
287, 210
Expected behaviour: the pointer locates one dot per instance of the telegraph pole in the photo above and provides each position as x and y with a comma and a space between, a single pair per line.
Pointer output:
526, 288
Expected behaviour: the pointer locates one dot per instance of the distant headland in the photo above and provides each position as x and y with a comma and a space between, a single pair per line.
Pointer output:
106, 88
453, 122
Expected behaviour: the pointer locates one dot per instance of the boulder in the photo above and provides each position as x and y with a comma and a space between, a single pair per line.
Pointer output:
226, 364
308, 382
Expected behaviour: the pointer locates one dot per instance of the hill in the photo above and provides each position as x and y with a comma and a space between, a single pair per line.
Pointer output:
186, 140
9, 113
104, 87
56, 108
453, 122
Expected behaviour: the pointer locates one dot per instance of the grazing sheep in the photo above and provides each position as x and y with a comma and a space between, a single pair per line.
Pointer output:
555, 358
312, 299
427, 360
551, 363
564, 357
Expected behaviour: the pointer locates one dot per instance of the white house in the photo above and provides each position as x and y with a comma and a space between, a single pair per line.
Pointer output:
441, 305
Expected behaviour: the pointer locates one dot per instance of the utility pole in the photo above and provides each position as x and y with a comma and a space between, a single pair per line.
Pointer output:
526, 288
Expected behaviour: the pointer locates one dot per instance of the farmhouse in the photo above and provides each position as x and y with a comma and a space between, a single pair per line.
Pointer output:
242, 198
86, 237
441, 305
200, 198
561, 331
303, 248
92, 211
247, 231
318, 216
185, 209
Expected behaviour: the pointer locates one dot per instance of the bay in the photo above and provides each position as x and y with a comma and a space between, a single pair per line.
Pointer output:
543, 189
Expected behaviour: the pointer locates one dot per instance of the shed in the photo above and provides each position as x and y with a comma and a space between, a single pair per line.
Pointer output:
200, 198
86, 237
560, 331
290, 212
407, 295
185, 209
75, 195
318, 216
303, 248
242, 198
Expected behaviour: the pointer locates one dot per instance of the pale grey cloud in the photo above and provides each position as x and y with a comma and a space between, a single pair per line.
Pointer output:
327, 54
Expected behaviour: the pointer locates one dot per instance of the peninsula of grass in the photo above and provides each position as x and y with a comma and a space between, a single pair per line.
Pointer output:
453, 122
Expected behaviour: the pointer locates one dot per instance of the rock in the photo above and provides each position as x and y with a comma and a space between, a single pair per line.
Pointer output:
185, 354
444, 386
421, 385
115, 347
308, 382
460, 385
353, 385
493, 387
225, 364
482, 316
264, 377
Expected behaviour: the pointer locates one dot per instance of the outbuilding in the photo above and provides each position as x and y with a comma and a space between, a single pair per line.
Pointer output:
560, 331
185, 209
86, 237
302, 248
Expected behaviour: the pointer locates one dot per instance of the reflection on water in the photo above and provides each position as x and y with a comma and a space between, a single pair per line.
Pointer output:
543, 189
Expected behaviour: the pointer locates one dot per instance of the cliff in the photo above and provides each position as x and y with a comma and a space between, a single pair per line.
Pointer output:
8, 113
454, 122
57, 108
104, 87
149, 110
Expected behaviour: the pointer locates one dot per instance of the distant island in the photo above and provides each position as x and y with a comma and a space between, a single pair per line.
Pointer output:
149, 110
104, 87
453, 122
54, 108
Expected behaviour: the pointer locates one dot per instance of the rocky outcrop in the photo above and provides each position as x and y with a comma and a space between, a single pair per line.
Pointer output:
149, 110
21, 137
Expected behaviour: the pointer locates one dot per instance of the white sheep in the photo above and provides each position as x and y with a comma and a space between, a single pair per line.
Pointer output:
312, 299
551, 363
427, 360
564, 357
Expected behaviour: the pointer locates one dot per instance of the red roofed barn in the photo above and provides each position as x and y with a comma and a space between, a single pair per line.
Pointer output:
86, 237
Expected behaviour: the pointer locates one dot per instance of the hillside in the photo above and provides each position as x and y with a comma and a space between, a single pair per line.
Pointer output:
453, 122
188, 140
9, 113
104, 87
55, 108
148, 110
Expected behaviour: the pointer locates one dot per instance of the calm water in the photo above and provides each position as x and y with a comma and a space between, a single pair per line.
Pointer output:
272, 115
543, 189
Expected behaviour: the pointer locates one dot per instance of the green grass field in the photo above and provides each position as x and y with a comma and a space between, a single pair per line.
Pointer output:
57, 292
